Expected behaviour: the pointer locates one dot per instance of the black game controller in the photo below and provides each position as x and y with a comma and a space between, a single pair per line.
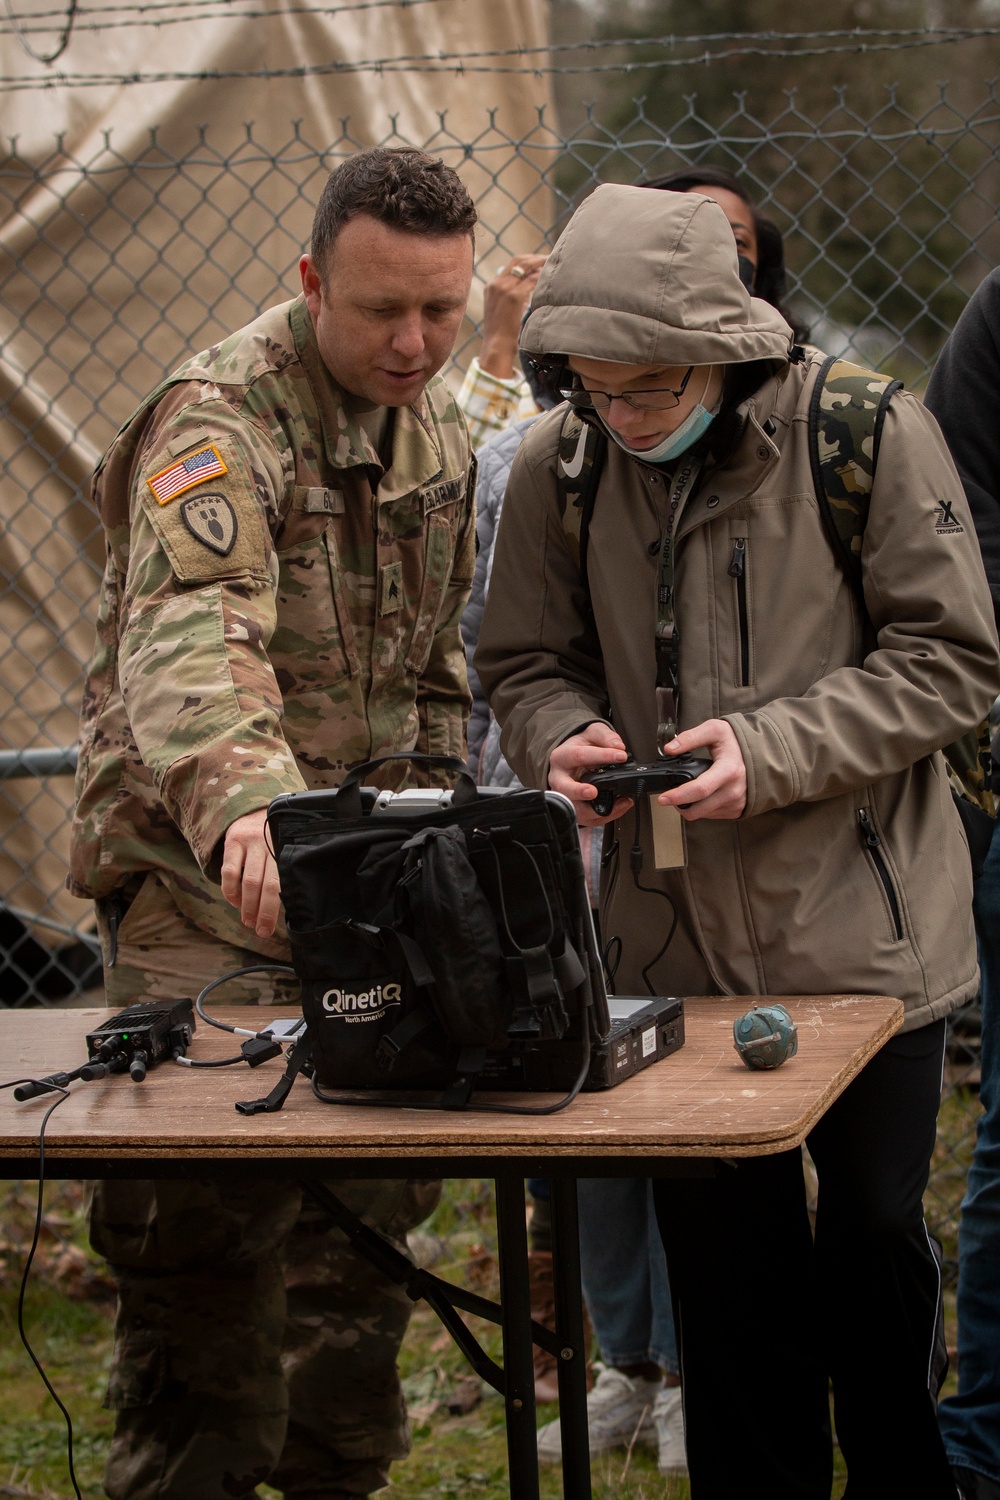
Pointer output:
631, 780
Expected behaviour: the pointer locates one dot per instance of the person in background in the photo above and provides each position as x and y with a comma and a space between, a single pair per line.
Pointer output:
760, 248
494, 392
964, 395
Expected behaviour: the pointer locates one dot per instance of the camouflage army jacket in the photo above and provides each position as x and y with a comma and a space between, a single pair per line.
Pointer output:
275, 607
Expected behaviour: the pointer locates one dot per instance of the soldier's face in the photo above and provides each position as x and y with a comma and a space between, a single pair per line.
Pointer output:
388, 311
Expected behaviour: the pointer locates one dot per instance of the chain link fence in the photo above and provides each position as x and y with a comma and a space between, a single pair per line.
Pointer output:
113, 268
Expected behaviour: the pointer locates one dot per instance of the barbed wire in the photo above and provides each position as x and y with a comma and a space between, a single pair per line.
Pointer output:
46, 58
853, 33
71, 22
467, 62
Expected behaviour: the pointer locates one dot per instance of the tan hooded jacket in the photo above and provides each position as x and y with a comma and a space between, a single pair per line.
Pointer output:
840, 719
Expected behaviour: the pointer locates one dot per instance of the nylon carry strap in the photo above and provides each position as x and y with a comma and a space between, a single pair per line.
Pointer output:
582, 451
846, 415
667, 637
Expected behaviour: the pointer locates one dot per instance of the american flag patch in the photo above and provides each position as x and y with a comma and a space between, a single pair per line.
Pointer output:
181, 476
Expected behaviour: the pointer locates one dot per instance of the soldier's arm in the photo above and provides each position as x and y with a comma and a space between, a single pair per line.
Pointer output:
198, 615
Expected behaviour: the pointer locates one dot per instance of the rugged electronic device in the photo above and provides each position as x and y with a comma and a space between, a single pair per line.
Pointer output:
130, 1042
643, 1030
630, 779
141, 1036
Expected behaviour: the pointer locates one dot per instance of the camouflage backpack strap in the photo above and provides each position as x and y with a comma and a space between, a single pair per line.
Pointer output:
582, 450
846, 415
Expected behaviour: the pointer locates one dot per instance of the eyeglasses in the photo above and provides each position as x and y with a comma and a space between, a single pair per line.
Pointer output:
658, 400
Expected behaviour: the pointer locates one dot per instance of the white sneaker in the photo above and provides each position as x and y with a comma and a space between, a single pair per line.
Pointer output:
668, 1418
619, 1409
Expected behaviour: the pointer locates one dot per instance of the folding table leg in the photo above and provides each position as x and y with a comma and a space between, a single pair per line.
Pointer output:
572, 1368
515, 1307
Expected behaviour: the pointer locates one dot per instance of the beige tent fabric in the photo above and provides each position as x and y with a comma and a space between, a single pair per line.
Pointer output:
142, 221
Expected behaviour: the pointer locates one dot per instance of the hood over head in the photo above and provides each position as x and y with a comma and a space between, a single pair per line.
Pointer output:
650, 278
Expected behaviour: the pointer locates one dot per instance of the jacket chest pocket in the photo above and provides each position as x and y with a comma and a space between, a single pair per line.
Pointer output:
777, 584
438, 556
313, 642
738, 570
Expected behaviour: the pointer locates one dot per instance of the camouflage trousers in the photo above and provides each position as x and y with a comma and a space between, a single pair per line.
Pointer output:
252, 1343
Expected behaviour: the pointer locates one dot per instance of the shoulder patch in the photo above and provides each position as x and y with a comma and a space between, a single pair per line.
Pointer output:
218, 531
168, 483
212, 520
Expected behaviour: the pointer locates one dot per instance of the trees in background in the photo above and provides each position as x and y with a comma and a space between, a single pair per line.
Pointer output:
880, 167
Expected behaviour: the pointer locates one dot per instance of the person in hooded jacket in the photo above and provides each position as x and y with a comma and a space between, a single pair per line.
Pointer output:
823, 850
637, 1395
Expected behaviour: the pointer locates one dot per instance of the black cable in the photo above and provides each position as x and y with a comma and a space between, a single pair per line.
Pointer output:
655, 891
27, 1267
218, 1062
635, 860
236, 974
610, 963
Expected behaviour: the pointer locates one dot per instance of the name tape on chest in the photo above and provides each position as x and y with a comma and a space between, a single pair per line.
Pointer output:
167, 484
436, 495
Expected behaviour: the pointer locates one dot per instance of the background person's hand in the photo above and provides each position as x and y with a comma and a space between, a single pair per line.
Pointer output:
504, 301
720, 792
597, 745
249, 874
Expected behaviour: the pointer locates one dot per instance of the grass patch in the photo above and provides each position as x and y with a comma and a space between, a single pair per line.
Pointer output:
459, 1448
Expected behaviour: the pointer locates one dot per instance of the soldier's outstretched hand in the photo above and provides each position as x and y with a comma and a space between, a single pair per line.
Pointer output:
249, 874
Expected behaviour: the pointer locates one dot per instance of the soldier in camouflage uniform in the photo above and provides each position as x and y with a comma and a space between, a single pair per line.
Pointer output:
291, 542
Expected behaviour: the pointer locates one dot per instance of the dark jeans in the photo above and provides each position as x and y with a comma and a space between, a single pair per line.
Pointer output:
766, 1318
970, 1421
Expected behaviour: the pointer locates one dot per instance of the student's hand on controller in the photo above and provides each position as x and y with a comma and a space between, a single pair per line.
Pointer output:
721, 791
597, 745
249, 874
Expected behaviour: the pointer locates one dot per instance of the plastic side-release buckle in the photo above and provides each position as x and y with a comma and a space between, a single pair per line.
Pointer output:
298, 1057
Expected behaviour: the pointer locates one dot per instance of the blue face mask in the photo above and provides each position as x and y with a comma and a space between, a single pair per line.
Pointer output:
695, 425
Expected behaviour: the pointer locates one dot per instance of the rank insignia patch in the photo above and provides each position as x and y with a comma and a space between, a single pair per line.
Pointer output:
390, 588
187, 472
212, 520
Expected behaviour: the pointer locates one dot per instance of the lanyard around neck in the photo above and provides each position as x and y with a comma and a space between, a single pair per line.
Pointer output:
667, 639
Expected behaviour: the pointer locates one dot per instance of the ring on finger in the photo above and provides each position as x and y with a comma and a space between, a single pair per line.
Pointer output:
519, 272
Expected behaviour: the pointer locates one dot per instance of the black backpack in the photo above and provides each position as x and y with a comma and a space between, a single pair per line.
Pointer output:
437, 940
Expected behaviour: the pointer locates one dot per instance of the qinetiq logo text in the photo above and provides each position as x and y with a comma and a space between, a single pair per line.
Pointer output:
361, 1005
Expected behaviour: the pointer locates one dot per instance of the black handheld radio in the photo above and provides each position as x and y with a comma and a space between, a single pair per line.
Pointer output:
131, 1042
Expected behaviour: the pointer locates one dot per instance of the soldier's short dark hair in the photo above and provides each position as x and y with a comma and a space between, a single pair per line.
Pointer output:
399, 186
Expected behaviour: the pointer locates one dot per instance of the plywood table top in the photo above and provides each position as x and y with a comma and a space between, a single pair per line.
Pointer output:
700, 1102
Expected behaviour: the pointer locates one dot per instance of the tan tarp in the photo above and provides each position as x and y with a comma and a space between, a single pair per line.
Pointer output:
140, 222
